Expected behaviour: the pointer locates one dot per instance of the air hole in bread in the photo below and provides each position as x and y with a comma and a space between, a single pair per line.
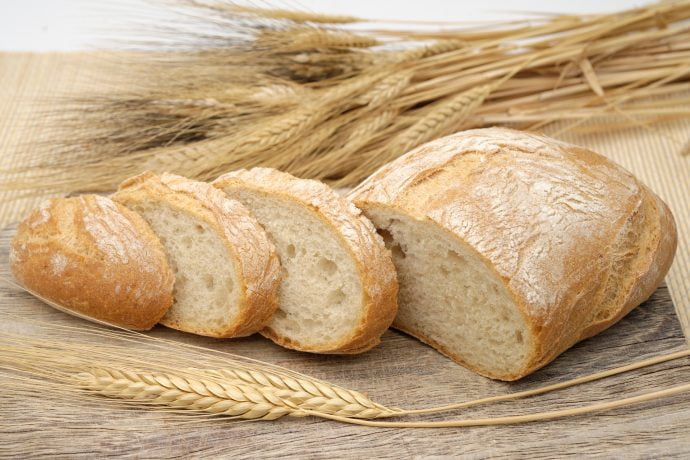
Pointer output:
290, 250
386, 235
397, 251
327, 266
199, 228
209, 281
394, 247
455, 258
336, 297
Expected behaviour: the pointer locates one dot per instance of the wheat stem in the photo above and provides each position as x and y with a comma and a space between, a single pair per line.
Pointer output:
556, 386
277, 98
514, 419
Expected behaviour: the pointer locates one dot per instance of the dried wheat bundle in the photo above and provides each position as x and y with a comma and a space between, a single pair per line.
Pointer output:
176, 381
309, 94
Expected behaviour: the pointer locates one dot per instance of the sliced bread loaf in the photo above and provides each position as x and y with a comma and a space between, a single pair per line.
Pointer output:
226, 270
339, 290
511, 247
96, 259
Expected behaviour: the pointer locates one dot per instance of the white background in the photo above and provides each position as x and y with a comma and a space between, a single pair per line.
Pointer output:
45, 25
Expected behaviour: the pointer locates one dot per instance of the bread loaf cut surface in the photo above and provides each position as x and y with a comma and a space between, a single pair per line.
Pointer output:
511, 247
226, 270
339, 290
95, 258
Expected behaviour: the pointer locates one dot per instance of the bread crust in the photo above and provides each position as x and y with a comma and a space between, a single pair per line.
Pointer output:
355, 232
96, 258
549, 218
245, 240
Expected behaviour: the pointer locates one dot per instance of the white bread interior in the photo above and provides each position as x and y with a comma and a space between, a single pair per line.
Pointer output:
320, 297
205, 290
450, 299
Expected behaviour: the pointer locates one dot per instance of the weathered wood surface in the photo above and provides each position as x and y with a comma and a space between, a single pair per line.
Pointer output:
400, 372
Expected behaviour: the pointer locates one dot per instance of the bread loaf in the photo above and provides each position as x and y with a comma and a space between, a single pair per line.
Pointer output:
339, 291
95, 258
226, 270
511, 247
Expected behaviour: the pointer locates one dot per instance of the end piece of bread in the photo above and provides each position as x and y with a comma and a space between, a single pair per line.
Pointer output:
226, 270
95, 258
339, 291
511, 247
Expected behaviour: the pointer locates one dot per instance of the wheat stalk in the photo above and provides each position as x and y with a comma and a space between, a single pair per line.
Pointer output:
294, 16
247, 394
300, 92
141, 371
301, 39
255, 394
525, 418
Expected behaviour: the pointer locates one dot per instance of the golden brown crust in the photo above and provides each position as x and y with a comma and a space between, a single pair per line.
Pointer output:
651, 260
96, 258
546, 216
357, 235
247, 244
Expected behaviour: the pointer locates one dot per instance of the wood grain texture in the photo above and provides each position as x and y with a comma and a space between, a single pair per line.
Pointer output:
400, 372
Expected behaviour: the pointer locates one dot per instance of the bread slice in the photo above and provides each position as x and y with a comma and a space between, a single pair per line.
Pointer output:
226, 270
511, 247
339, 291
96, 259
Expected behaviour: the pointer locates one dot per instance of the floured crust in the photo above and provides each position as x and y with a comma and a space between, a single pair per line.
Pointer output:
547, 217
357, 235
96, 258
243, 237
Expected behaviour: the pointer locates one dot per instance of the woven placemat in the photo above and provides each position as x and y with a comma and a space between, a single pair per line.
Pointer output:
28, 81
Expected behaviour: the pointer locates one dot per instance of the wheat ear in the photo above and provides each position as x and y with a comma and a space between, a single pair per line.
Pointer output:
386, 90
289, 15
439, 47
234, 397
186, 393
302, 394
265, 395
324, 38
446, 117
